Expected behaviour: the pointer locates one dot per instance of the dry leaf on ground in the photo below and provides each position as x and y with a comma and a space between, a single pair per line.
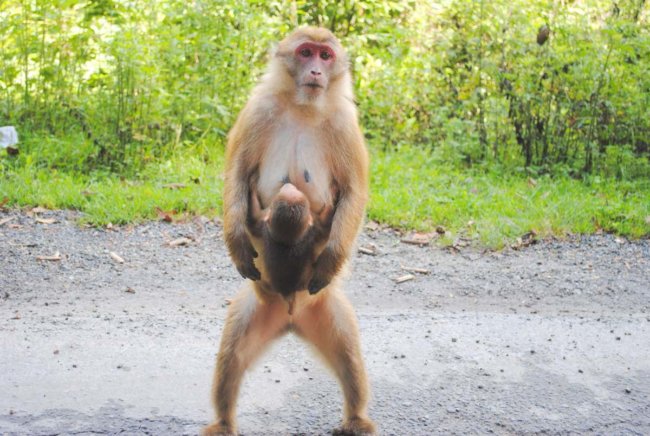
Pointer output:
372, 225
116, 257
179, 242
56, 256
6, 220
415, 269
370, 249
404, 278
44, 220
525, 240
418, 239
166, 216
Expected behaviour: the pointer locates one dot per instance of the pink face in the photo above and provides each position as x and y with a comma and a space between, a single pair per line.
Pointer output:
316, 61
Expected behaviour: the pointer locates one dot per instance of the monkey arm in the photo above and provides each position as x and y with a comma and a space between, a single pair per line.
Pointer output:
237, 192
241, 249
348, 215
347, 220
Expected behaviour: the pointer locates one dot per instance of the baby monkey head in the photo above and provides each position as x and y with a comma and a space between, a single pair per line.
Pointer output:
289, 217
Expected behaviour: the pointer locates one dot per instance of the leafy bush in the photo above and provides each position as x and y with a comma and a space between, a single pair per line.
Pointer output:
536, 85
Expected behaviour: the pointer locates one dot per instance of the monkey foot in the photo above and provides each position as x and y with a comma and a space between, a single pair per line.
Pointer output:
355, 427
218, 429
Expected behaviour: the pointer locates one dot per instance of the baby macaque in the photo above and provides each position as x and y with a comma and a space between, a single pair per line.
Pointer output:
292, 236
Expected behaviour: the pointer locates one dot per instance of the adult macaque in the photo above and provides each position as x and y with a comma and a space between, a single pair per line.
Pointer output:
297, 139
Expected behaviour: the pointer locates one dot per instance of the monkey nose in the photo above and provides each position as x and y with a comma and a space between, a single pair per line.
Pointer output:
315, 72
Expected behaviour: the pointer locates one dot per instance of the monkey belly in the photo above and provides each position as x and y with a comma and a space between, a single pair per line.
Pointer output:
295, 156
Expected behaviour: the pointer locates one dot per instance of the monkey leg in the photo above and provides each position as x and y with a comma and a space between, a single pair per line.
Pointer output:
331, 326
250, 327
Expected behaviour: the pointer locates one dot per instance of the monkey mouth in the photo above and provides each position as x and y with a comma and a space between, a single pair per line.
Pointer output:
313, 85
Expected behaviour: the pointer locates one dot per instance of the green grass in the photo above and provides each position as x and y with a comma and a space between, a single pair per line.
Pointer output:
105, 198
409, 190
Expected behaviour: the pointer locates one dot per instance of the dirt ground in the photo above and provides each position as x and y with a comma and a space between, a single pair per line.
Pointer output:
553, 338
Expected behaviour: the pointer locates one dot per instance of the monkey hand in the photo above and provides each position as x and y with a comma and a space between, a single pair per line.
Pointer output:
248, 270
243, 258
317, 283
324, 271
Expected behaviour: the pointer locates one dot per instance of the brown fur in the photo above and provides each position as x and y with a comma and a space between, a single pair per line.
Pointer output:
292, 236
312, 134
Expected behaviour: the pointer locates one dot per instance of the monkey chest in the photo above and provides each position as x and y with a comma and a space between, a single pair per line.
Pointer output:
300, 158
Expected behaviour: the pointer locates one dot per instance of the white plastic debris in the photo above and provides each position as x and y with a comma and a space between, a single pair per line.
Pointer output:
8, 136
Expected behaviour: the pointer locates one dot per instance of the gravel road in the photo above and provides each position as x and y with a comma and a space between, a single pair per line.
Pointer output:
553, 338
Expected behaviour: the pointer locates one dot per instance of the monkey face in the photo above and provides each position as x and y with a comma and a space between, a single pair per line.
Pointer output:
313, 58
315, 62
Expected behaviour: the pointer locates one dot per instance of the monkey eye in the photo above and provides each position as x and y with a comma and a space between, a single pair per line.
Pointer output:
305, 52
325, 55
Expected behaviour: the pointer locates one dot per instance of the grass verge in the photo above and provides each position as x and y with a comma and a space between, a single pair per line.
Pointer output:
188, 181
409, 190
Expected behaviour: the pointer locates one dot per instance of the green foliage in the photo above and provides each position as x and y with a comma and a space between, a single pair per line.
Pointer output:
474, 71
525, 84
462, 102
